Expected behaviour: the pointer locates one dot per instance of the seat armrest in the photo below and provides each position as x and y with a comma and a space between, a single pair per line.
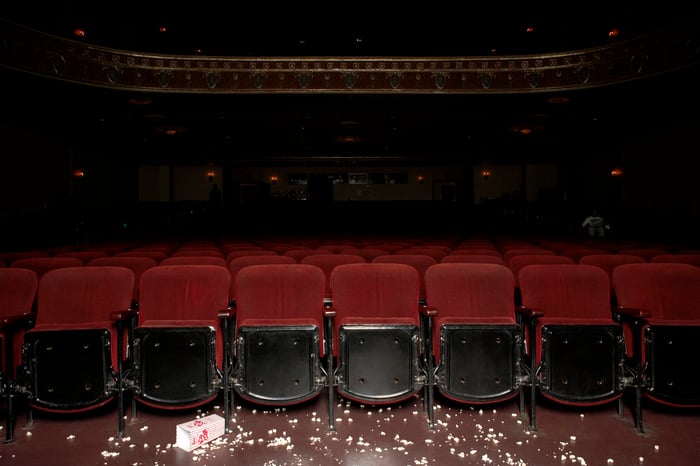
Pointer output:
124, 315
529, 313
16, 321
628, 314
428, 311
227, 313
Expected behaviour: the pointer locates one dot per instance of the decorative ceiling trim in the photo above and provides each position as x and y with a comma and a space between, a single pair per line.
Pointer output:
30, 51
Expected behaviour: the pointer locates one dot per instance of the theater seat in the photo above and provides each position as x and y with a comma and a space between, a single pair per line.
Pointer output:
375, 329
661, 304
279, 333
575, 349
18, 288
327, 262
72, 355
238, 263
180, 342
476, 340
418, 261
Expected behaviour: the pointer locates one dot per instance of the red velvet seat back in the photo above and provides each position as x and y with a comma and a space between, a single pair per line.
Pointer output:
299, 254
375, 293
536, 251
179, 293
195, 260
237, 264
138, 265
153, 254
186, 252
436, 253
367, 253
516, 263
609, 262
249, 252
692, 259
73, 298
84, 256
577, 253
567, 293
645, 253
485, 251
10, 257
83, 297
18, 289
418, 261
469, 293
669, 291
185, 296
473, 258
41, 265
280, 294
327, 262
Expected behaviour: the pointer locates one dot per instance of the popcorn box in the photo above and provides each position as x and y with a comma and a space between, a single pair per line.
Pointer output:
195, 433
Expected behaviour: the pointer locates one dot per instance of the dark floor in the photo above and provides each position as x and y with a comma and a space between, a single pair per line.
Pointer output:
397, 435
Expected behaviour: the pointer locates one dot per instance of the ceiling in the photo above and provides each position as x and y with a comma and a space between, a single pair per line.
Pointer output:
309, 29
324, 128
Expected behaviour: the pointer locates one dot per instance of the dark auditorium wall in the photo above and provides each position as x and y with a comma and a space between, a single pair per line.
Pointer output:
656, 197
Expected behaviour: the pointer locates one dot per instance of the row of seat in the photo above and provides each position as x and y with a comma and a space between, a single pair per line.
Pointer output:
327, 261
281, 342
438, 248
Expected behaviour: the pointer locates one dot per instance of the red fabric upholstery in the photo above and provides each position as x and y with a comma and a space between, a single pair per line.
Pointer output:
237, 264
374, 293
577, 253
510, 253
249, 252
84, 256
670, 294
138, 265
389, 247
436, 253
299, 254
609, 262
670, 291
518, 262
566, 292
10, 257
367, 253
380, 302
420, 262
18, 289
186, 252
327, 262
84, 298
644, 253
469, 293
185, 296
692, 259
195, 260
41, 265
489, 251
280, 294
473, 258
155, 255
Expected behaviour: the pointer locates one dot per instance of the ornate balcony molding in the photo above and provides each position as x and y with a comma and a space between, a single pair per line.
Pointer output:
30, 51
